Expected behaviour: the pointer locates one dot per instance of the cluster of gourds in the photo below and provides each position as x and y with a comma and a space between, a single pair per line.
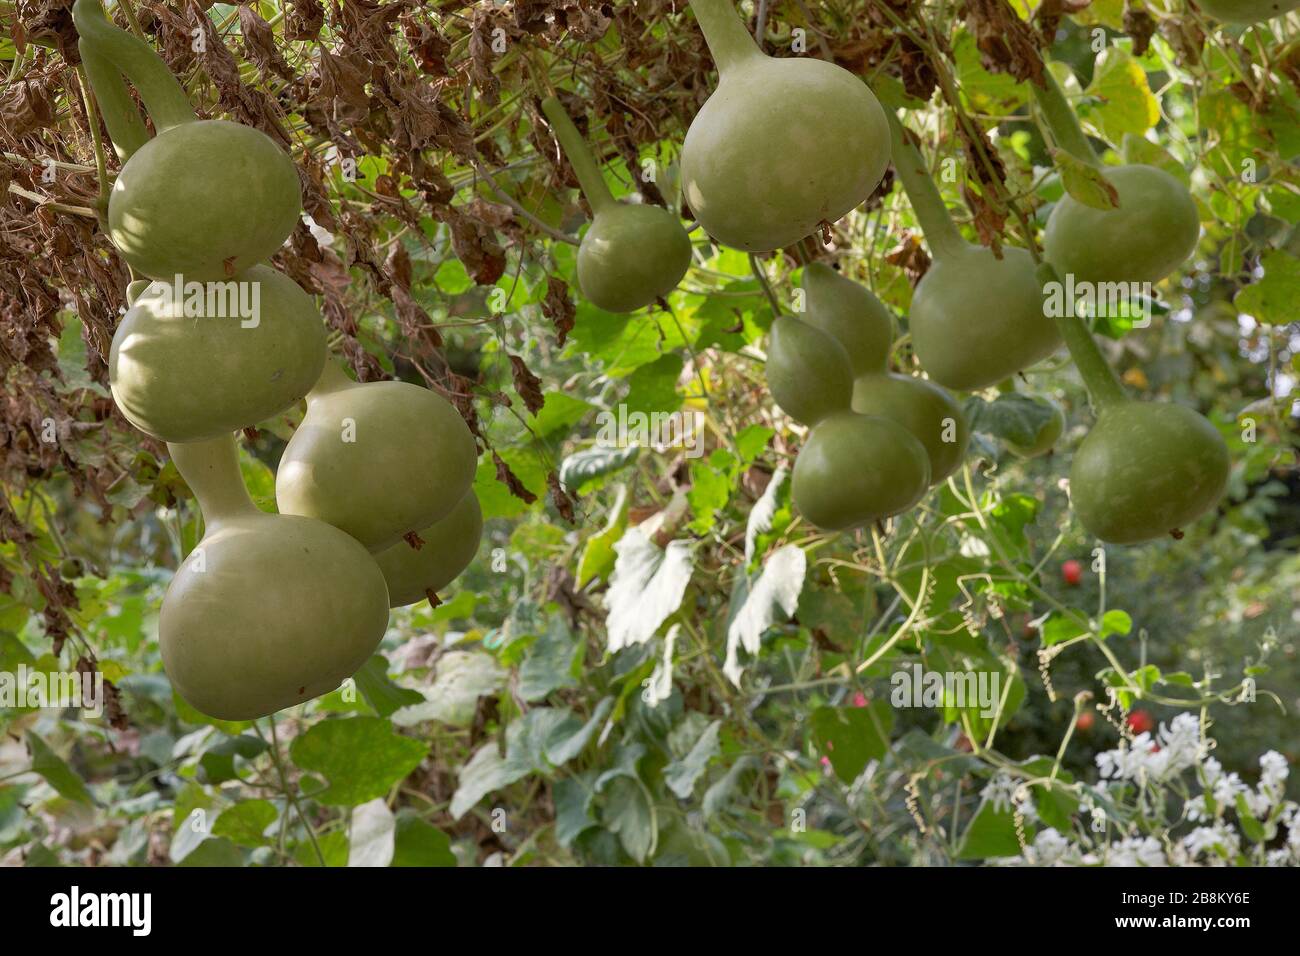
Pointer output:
783, 146
268, 610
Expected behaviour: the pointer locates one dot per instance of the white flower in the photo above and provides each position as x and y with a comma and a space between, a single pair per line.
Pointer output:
1000, 792
1049, 847
1214, 838
1198, 810
1136, 851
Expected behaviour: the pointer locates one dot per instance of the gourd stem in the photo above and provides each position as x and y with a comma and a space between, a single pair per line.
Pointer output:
580, 158
1103, 385
940, 231
728, 40
125, 126
332, 378
211, 469
1061, 120
163, 95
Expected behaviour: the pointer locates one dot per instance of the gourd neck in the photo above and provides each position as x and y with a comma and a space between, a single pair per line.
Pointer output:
728, 40
1103, 385
936, 223
1062, 121
163, 96
332, 379
584, 164
211, 469
125, 126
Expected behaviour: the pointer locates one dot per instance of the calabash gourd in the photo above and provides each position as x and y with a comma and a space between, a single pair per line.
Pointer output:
855, 469
181, 373
1246, 11
378, 460
1147, 468
808, 371
1151, 232
864, 326
1046, 438
632, 254
206, 199
975, 319
781, 145
268, 611
448, 548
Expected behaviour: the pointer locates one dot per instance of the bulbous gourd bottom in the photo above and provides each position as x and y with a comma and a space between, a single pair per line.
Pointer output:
449, 547
631, 256
928, 412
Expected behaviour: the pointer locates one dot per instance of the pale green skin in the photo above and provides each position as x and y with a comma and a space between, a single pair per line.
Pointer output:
780, 146
1246, 11
1149, 235
923, 409
631, 256
412, 460
855, 469
848, 312
976, 319
206, 199
185, 379
808, 372
1044, 441
1146, 469
282, 611
449, 547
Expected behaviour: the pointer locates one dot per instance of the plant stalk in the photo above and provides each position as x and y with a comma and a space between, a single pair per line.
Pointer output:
1103, 385
936, 223
1061, 120
579, 156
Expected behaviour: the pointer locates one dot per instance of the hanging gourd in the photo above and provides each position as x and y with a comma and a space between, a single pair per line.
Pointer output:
1246, 11
864, 326
206, 199
188, 368
781, 146
379, 460
632, 254
1146, 469
268, 611
853, 469
1149, 234
448, 546
975, 318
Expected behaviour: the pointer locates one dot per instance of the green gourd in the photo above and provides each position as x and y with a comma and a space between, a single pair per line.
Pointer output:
379, 460
808, 371
781, 145
448, 548
632, 254
1046, 438
975, 319
1151, 232
1246, 11
1146, 469
184, 378
268, 611
864, 326
206, 199
855, 469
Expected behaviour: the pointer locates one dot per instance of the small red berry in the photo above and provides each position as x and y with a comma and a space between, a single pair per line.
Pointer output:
1072, 571
859, 699
1086, 720
1140, 722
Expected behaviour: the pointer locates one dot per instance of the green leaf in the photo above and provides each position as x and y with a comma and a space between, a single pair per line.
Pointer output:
486, 772
361, 757
571, 737
561, 411
1272, 299
1085, 182
751, 441
598, 553
245, 823
333, 846
380, 692
1250, 826
682, 775
852, 736
1115, 621
572, 797
1125, 103
463, 677
371, 835
628, 813
217, 765
653, 388
551, 661
991, 833
57, 774
1012, 416
418, 843
583, 467
214, 852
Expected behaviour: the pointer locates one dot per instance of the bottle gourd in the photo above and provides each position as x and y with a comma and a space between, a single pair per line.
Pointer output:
206, 199
1146, 469
781, 145
632, 254
861, 323
186, 377
268, 611
1146, 237
853, 469
378, 460
448, 548
975, 319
